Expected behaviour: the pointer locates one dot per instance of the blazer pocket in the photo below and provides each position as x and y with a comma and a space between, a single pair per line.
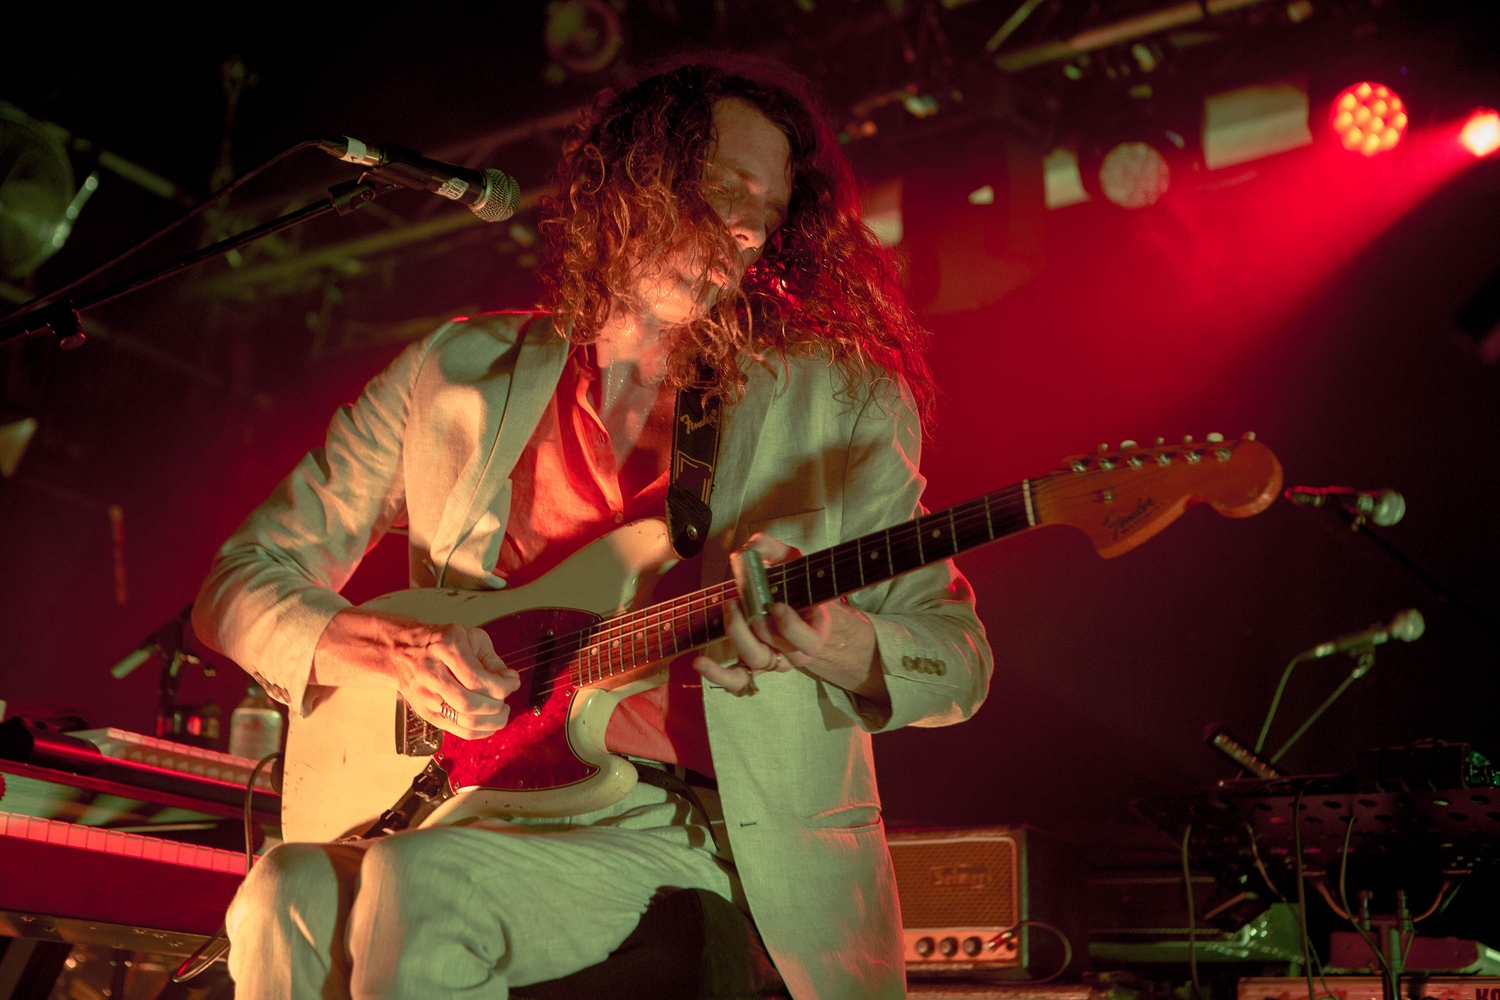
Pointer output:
847, 819
803, 530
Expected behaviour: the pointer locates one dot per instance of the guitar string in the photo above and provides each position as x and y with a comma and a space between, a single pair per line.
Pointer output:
634, 621
635, 625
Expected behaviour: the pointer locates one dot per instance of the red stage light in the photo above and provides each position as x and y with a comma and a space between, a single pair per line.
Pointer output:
1481, 134
1368, 118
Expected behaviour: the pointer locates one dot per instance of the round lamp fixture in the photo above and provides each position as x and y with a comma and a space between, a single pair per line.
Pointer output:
1368, 118
1481, 133
1134, 175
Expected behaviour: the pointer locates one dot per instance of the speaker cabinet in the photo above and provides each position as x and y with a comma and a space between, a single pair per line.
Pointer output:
1000, 900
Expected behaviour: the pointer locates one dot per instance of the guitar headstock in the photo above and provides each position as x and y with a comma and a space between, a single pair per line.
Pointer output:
1122, 496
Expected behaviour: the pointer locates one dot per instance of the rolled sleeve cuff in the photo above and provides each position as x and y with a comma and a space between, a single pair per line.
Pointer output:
928, 681
278, 648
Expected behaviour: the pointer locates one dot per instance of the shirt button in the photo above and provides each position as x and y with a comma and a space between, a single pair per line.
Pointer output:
619, 517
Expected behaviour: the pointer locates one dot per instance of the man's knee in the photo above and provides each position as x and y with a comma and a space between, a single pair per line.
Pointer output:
408, 861
291, 878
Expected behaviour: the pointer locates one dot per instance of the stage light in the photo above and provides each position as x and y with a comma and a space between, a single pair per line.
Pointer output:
1134, 175
1368, 118
1062, 180
15, 434
1481, 133
882, 211
1255, 121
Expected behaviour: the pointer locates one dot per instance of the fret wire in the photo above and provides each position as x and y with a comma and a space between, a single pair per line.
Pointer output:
644, 632
921, 549
989, 520
952, 531
676, 646
656, 629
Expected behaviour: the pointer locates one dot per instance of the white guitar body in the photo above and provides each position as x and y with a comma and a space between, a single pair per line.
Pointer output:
341, 758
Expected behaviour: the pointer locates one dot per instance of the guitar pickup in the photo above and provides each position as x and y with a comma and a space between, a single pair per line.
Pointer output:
415, 736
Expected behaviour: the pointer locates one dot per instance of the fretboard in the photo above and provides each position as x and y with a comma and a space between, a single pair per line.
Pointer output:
639, 638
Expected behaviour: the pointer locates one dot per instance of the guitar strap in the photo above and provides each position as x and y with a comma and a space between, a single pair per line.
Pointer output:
695, 451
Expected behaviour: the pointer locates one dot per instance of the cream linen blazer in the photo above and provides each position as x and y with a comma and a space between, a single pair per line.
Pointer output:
430, 444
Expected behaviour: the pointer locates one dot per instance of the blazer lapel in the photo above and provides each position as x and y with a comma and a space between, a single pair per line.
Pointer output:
539, 364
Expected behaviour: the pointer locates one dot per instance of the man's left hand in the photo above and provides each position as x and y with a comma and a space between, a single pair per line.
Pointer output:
831, 641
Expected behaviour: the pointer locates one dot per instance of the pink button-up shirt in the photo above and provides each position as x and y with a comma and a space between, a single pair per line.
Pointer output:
565, 493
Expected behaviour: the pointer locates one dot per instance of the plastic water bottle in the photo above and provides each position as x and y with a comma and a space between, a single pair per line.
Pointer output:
255, 726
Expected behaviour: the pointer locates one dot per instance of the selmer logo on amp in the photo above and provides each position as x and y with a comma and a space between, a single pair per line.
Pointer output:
972, 899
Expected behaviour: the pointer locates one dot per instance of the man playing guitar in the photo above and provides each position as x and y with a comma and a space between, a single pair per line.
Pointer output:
705, 236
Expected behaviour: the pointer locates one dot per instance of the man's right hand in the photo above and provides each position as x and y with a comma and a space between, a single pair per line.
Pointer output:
431, 665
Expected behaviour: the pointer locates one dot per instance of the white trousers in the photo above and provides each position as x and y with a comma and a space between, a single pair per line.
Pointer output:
465, 912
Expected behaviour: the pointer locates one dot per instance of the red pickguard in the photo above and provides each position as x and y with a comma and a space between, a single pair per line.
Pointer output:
532, 751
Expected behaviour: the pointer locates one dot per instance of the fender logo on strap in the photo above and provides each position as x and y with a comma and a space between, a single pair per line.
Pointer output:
691, 425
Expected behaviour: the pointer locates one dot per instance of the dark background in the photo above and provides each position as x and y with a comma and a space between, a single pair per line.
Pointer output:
1310, 297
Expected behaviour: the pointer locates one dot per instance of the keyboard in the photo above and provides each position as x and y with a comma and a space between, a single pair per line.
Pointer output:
56, 869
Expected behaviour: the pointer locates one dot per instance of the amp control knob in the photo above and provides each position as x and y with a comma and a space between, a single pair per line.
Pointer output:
972, 946
948, 946
924, 946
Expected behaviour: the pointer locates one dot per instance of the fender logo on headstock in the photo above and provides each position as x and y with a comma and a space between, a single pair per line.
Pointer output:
1119, 524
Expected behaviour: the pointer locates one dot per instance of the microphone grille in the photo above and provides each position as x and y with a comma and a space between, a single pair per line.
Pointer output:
1390, 508
501, 195
1408, 626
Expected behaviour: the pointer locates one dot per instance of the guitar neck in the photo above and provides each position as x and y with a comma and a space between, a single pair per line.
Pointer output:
639, 638
874, 558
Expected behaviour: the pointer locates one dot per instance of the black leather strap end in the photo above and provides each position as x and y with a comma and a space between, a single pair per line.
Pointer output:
687, 520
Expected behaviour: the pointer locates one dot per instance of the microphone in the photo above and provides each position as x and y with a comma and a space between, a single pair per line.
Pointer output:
1407, 626
490, 194
167, 640
1244, 758
1384, 507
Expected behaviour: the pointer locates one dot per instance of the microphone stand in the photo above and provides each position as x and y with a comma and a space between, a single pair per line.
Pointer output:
1361, 667
1357, 524
62, 320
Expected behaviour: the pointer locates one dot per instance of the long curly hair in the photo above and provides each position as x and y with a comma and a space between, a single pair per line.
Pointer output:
631, 184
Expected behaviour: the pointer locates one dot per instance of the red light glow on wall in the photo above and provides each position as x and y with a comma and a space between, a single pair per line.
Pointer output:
1368, 118
1481, 133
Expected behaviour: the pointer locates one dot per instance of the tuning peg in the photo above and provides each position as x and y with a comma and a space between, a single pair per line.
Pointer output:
1249, 435
1160, 441
1187, 439
1103, 447
1126, 444
1214, 437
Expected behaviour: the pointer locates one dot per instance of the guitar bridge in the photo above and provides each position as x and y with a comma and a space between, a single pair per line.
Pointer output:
415, 736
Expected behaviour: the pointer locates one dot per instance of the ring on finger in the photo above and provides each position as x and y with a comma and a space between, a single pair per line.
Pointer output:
775, 663
447, 712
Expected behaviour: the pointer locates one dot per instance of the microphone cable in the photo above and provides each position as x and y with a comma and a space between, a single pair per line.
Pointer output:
215, 947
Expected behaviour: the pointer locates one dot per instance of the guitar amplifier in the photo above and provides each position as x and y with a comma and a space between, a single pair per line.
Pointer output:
1000, 900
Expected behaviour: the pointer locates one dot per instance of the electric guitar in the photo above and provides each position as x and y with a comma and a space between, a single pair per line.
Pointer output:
585, 636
